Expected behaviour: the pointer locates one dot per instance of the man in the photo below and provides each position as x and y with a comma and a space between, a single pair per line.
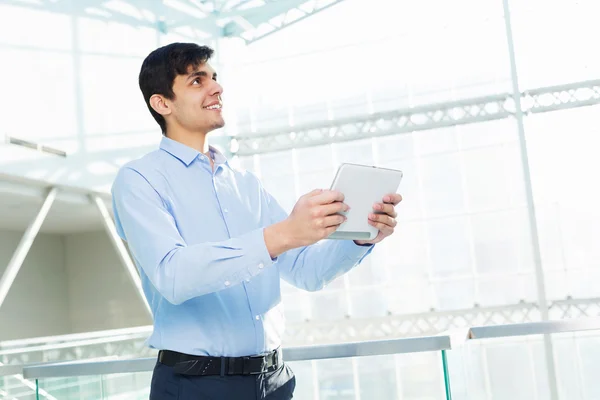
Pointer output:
211, 244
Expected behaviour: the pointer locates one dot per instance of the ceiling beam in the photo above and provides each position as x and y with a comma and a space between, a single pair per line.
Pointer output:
273, 17
427, 117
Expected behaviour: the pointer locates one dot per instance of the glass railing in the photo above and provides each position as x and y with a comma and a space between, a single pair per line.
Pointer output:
127, 343
15, 387
511, 361
487, 362
324, 372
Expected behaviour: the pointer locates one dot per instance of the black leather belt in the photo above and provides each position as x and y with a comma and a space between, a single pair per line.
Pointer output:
187, 364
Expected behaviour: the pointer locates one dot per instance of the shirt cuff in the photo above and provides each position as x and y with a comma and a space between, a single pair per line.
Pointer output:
354, 251
258, 247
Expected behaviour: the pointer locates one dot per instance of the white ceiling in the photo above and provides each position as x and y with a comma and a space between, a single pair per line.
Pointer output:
69, 213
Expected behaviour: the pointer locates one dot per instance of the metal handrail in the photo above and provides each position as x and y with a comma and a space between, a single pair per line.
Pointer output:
444, 341
535, 328
17, 369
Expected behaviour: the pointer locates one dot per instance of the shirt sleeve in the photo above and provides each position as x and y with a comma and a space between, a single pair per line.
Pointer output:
179, 271
312, 267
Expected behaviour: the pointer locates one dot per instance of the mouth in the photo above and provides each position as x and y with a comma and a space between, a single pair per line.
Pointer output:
214, 106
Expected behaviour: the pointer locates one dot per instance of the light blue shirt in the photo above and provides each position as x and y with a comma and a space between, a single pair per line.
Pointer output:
196, 236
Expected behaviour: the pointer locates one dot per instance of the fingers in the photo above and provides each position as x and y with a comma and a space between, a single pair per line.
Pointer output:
330, 209
383, 219
386, 209
332, 221
326, 226
392, 198
384, 229
384, 223
327, 196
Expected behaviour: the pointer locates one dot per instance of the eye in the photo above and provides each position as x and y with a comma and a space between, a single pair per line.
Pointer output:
196, 81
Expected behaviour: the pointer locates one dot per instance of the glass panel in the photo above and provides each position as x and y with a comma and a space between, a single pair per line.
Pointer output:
133, 386
417, 376
15, 387
71, 388
130, 386
515, 368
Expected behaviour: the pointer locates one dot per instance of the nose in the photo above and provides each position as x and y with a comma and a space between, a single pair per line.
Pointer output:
217, 89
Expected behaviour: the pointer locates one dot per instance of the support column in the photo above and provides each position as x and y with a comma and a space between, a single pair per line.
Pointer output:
539, 272
111, 230
24, 246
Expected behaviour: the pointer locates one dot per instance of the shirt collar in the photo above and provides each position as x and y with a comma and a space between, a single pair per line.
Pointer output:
187, 154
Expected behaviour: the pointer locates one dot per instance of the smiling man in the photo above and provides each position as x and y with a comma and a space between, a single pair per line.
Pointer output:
211, 244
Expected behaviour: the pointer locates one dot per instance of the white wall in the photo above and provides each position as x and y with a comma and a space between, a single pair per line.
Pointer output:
37, 303
101, 295
67, 284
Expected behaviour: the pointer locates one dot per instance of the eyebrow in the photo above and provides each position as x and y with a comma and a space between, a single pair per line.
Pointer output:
197, 74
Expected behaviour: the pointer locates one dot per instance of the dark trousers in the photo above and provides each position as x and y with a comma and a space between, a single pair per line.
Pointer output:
274, 385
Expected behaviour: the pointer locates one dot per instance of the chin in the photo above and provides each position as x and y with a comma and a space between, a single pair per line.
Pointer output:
219, 124
215, 126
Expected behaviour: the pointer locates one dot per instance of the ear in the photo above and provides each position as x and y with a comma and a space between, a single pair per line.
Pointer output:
160, 104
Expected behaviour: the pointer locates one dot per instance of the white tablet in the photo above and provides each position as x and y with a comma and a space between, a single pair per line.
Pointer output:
362, 186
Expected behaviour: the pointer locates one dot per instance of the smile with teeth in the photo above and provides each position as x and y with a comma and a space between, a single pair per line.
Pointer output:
217, 106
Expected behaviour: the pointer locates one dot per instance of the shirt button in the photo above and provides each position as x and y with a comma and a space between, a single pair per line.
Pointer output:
248, 280
257, 317
261, 265
225, 210
227, 283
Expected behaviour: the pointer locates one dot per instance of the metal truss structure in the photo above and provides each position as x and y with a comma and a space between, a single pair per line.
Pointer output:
250, 20
391, 326
432, 116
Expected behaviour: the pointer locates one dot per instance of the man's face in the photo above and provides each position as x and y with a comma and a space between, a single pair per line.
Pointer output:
197, 103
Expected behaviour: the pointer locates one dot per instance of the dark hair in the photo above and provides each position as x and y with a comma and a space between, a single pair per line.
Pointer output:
161, 67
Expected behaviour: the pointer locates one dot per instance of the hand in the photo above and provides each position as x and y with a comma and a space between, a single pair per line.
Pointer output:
314, 217
385, 220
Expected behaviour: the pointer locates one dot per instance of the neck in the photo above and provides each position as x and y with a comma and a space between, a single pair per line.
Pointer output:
195, 140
